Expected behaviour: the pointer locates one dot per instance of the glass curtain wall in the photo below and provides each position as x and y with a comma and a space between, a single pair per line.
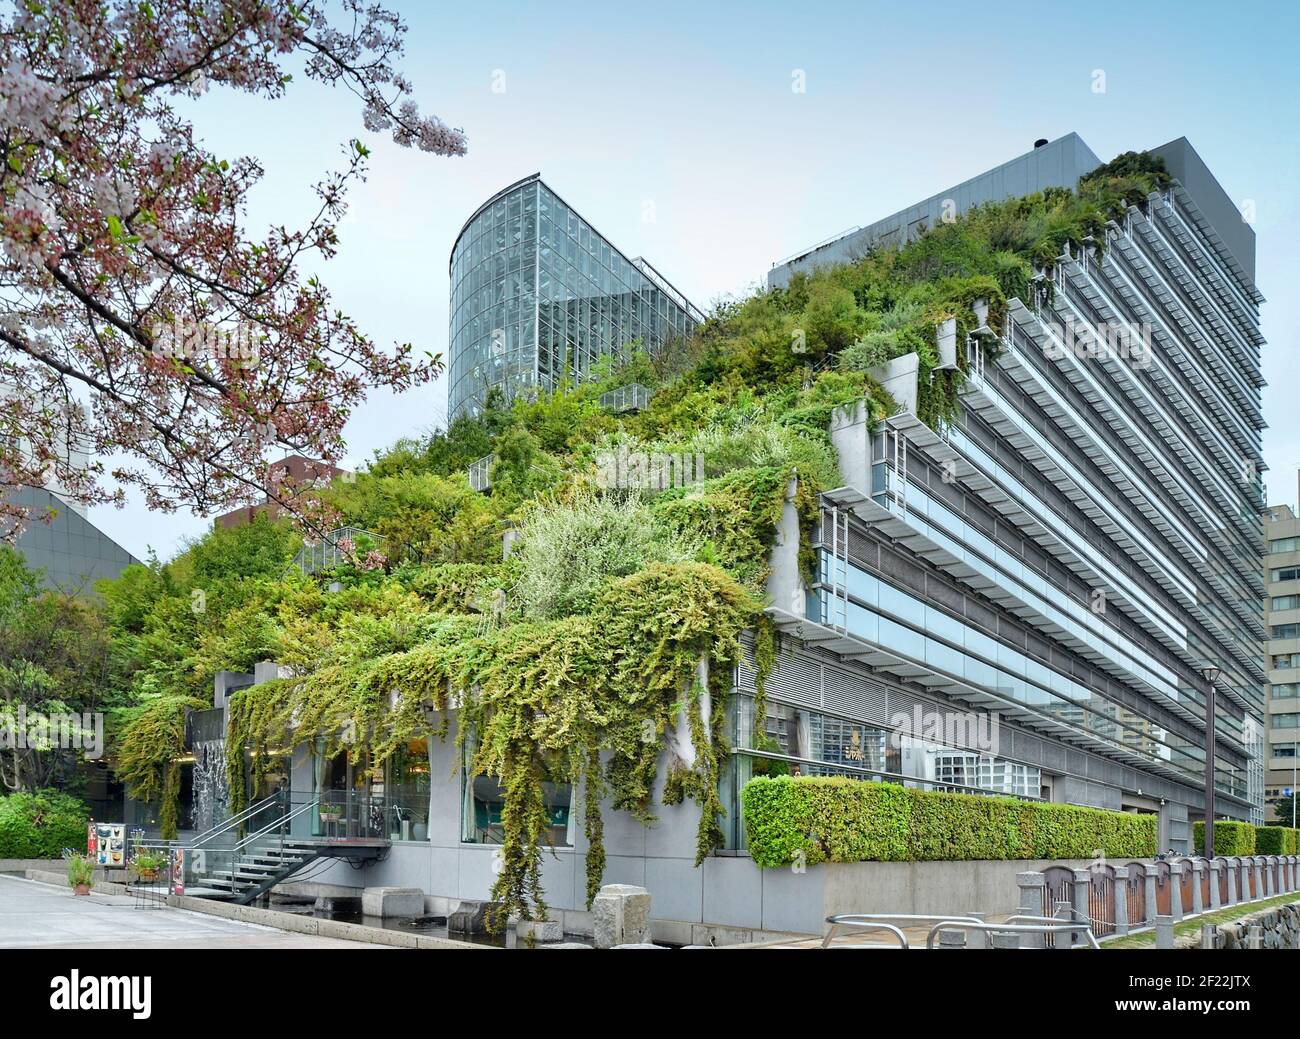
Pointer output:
537, 295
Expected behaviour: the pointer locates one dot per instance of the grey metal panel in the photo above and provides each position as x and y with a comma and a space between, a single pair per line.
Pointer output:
1205, 189
72, 553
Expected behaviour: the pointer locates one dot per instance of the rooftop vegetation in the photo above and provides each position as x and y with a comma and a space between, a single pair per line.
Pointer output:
571, 659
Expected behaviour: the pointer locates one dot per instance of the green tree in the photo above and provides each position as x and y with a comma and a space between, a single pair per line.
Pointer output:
54, 660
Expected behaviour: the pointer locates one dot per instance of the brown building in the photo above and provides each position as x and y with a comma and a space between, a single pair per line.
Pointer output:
299, 472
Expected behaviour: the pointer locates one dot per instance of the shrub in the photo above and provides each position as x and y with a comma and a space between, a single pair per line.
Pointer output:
849, 820
41, 825
1269, 840
567, 554
1230, 838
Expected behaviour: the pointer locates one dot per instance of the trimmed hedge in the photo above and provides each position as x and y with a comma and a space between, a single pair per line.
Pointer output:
41, 825
1237, 838
1230, 838
1269, 840
851, 820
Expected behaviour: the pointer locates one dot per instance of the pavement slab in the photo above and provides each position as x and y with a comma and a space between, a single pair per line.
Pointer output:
38, 916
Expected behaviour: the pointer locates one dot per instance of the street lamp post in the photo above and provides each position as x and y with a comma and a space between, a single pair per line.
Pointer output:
1211, 675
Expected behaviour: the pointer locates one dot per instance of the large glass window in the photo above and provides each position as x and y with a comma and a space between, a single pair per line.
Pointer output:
408, 791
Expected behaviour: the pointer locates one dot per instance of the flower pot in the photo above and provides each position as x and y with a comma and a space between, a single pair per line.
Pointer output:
147, 874
81, 889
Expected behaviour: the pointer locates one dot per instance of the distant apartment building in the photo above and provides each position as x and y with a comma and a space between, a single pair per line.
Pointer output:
537, 294
1282, 653
294, 474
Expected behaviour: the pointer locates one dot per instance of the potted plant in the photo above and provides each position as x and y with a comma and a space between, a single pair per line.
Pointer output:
148, 864
81, 873
331, 813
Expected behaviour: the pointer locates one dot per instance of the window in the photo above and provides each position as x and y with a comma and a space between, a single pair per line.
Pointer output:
1285, 602
1284, 690
1284, 631
1285, 573
483, 800
1281, 660
1284, 721
408, 792
1283, 545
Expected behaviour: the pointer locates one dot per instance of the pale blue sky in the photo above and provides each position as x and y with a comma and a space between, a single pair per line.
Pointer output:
685, 112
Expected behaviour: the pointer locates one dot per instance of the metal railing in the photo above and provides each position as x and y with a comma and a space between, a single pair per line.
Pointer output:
865, 922
1042, 925
890, 923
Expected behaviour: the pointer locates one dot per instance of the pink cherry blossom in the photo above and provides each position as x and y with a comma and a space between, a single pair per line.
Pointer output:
116, 223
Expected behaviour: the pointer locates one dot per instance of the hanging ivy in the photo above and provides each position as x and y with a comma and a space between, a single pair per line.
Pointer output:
150, 743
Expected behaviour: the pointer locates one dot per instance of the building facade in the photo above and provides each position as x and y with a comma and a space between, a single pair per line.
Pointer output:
1282, 654
537, 294
70, 551
1019, 603
59, 539
1073, 550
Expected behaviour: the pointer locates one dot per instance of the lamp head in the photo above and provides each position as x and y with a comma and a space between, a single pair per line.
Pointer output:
1210, 674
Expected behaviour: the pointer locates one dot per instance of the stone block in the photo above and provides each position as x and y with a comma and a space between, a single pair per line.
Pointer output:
620, 915
392, 901
540, 930
470, 918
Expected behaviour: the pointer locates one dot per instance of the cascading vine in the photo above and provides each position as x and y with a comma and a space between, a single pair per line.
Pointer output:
149, 749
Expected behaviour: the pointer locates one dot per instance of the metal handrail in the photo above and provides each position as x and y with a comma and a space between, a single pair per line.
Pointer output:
277, 824
235, 820
895, 931
880, 921
211, 832
1060, 927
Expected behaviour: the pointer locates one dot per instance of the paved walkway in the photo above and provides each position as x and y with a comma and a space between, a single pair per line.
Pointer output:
39, 916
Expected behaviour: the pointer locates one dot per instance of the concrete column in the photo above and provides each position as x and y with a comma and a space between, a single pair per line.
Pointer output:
1266, 878
976, 939
1254, 937
1176, 871
1032, 941
1005, 940
1164, 932
1234, 880
952, 939
1121, 900
1209, 936
1198, 872
1216, 871
1082, 880
1032, 885
1150, 901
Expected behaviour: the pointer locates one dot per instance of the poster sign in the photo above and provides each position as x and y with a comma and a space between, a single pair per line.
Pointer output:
178, 871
